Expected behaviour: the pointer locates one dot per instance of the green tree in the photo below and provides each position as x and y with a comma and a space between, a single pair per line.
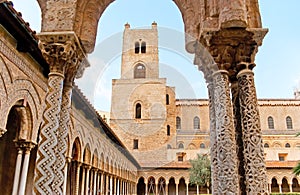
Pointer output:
200, 172
296, 169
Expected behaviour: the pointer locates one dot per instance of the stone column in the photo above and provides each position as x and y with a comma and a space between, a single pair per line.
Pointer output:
60, 50
102, 183
255, 169
213, 138
27, 147
167, 188
187, 188
280, 187
225, 133
17, 171
156, 188
95, 181
118, 187
107, 185
238, 135
176, 188
77, 178
270, 188
67, 165
83, 180
146, 188
111, 185
291, 187
87, 183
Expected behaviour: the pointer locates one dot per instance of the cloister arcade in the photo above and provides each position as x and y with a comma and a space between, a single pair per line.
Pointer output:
72, 139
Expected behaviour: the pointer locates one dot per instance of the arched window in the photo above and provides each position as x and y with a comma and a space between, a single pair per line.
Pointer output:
143, 48
202, 145
181, 146
137, 47
167, 99
138, 110
270, 122
178, 122
139, 71
168, 130
266, 145
289, 122
287, 145
196, 122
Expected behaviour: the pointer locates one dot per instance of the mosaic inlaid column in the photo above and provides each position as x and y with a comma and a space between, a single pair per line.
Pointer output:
238, 136
46, 158
62, 51
225, 134
255, 169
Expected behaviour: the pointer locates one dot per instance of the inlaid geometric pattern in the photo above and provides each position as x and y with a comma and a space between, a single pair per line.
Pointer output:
255, 171
46, 159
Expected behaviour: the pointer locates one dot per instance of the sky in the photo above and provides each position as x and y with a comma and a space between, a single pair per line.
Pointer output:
277, 71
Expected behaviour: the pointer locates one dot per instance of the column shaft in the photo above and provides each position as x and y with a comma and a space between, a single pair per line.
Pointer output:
213, 139
24, 171
225, 133
17, 171
62, 136
239, 136
77, 179
83, 181
44, 175
255, 170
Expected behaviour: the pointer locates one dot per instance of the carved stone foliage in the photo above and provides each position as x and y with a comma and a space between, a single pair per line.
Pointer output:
255, 170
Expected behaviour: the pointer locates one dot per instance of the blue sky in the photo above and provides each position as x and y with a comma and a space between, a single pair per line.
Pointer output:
276, 75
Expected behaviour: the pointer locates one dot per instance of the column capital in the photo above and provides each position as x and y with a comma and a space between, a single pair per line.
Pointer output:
2, 131
64, 54
229, 47
25, 145
86, 166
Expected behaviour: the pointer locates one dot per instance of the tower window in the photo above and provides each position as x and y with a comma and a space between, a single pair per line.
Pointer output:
139, 71
178, 123
196, 122
168, 130
270, 122
138, 111
135, 144
143, 48
137, 47
167, 99
287, 145
289, 122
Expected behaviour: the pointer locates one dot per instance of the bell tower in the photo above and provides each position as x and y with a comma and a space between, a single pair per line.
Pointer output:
140, 53
141, 102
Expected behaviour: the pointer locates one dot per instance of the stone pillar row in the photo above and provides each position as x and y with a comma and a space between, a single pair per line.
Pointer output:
95, 181
22, 166
226, 57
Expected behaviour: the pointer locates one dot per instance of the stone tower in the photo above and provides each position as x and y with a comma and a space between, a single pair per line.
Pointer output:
143, 107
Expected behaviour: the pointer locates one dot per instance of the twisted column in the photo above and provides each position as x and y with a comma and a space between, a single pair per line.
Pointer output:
225, 134
255, 170
62, 51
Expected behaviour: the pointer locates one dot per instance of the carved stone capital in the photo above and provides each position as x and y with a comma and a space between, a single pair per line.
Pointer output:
25, 145
64, 53
231, 47
2, 131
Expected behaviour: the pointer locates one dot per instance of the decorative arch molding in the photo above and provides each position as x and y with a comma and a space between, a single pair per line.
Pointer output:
87, 158
5, 79
23, 90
